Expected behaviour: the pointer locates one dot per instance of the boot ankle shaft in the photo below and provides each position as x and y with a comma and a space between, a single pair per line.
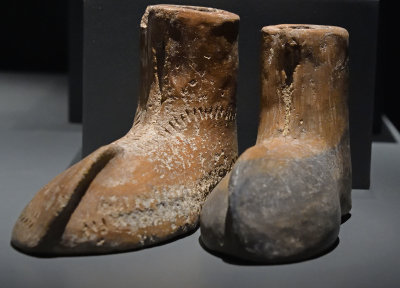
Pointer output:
189, 60
304, 77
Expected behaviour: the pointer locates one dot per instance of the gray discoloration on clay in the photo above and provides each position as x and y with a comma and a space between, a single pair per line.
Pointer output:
344, 168
286, 214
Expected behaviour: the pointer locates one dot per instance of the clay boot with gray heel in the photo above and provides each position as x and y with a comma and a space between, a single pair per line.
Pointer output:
284, 198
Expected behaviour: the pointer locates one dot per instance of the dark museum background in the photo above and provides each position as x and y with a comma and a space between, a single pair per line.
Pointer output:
45, 38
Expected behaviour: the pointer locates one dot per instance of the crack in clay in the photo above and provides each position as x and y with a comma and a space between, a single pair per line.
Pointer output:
291, 62
287, 100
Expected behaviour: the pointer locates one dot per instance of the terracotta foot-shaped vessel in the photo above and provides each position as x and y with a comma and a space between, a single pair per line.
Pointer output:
284, 198
149, 186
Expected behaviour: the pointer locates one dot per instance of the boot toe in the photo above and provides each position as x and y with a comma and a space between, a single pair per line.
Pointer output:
283, 210
213, 217
40, 225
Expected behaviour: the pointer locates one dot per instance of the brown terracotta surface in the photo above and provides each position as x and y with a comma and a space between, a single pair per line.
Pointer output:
284, 197
304, 85
304, 93
149, 186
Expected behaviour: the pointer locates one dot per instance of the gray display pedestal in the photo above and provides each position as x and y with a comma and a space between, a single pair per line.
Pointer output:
37, 143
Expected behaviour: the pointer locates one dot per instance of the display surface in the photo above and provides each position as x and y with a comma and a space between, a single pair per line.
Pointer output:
148, 186
284, 198
367, 255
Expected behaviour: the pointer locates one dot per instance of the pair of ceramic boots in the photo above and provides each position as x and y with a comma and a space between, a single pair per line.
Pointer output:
284, 197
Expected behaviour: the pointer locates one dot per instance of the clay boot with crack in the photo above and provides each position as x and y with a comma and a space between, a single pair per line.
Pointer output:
149, 186
284, 198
